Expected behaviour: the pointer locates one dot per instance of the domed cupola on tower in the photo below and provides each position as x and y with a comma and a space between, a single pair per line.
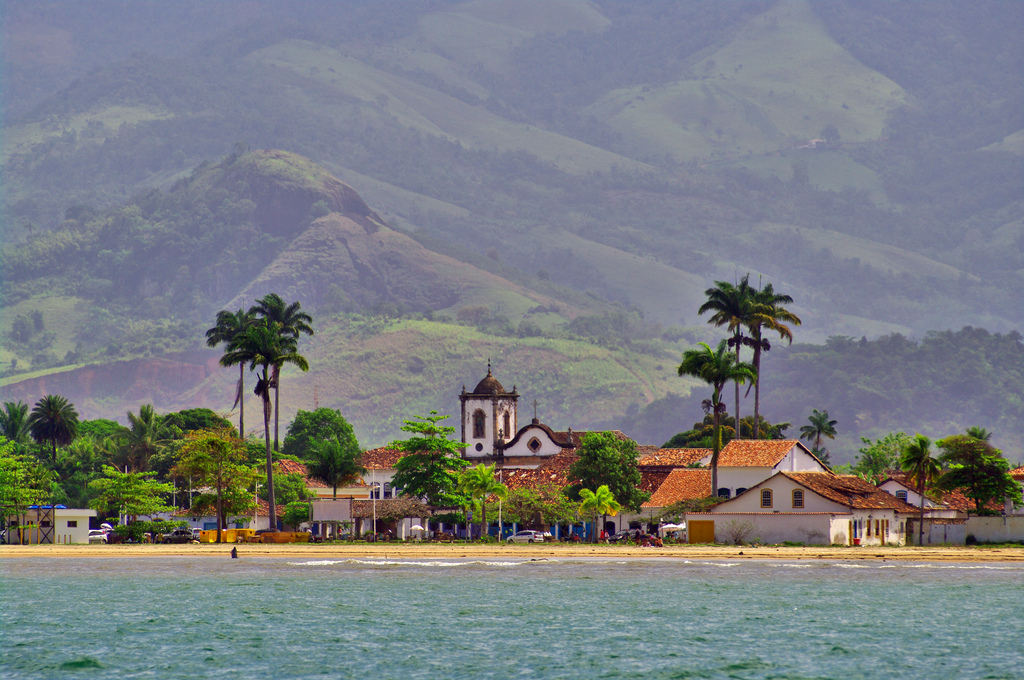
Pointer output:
489, 416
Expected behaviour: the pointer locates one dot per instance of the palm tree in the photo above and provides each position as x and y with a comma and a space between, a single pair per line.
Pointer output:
14, 422
768, 314
146, 434
716, 367
820, 427
335, 462
479, 482
917, 460
229, 325
289, 321
54, 420
733, 306
979, 433
261, 345
601, 502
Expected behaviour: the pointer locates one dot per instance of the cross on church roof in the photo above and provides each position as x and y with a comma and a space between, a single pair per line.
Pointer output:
534, 409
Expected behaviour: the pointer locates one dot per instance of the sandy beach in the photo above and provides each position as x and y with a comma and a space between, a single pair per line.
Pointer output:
550, 551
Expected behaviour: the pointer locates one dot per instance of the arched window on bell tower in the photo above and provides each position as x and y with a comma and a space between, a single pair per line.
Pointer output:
479, 424
507, 430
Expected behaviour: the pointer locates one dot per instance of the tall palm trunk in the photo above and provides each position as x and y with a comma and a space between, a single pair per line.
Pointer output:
241, 400
270, 456
920, 525
716, 448
277, 404
757, 385
739, 428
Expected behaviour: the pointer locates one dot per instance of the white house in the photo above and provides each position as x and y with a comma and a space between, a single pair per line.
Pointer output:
51, 524
746, 462
816, 508
901, 488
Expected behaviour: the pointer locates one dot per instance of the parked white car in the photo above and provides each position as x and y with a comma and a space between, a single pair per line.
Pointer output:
97, 536
527, 536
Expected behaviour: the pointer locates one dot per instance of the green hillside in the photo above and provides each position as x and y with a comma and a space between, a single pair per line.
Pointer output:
571, 171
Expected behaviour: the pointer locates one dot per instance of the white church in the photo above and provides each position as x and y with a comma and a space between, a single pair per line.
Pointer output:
490, 429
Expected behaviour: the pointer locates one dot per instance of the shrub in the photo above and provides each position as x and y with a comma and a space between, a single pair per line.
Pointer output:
738, 531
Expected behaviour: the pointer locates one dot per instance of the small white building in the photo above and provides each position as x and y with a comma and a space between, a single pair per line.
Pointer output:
815, 508
51, 524
744, 463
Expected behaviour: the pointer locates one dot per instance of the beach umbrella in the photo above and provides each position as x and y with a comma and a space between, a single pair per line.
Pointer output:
416, 527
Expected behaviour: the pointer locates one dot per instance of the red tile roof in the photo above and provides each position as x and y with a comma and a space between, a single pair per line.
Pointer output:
383, 458
849, 490
554, 470
680, 485
755, 452
955, 499
208, 510
677, 458
390, 508
1018, 474
294, 467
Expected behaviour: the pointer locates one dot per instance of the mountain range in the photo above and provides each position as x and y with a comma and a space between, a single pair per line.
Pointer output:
549, 185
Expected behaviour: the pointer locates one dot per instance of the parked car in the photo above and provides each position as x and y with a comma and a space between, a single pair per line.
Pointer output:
197, 533
527, 536
179, 535
625, 535
97, 536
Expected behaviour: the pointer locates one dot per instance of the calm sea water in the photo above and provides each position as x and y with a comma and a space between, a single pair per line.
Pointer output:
297, 618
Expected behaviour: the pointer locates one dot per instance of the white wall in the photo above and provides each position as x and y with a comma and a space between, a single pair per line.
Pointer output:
774, 527
996, 529
782, 488
548, 447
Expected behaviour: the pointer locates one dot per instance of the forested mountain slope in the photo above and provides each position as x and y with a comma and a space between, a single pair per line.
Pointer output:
524, 164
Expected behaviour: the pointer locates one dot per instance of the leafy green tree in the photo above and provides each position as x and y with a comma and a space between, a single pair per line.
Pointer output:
19, 487
977, 468
261, 345
716, 367
191, 419
431, 462
546, 504
701, 435
733, 307
295, 513
335, 461
289, 321
216, 459
606, 460
14, 422
479, 483
99, 429
229, 326
130, 493
917, 460
820, 426
768, 315
879, 456
320, 425
600, 502
54, 420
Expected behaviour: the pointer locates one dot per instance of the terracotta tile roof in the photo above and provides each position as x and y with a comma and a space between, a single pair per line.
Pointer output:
650, 480
679, 485
554, 470
383, 458
849, 490
208, 510
655, 457
955, 499
294, 467
755, 452
391, 508
1018, 474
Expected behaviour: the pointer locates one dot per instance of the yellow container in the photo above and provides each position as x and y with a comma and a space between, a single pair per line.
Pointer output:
208, 536
243, 535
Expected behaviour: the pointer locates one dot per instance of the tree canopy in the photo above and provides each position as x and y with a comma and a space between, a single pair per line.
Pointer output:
607, 460
431, 464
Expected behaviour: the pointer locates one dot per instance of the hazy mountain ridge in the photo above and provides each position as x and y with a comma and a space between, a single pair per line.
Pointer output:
632, 152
